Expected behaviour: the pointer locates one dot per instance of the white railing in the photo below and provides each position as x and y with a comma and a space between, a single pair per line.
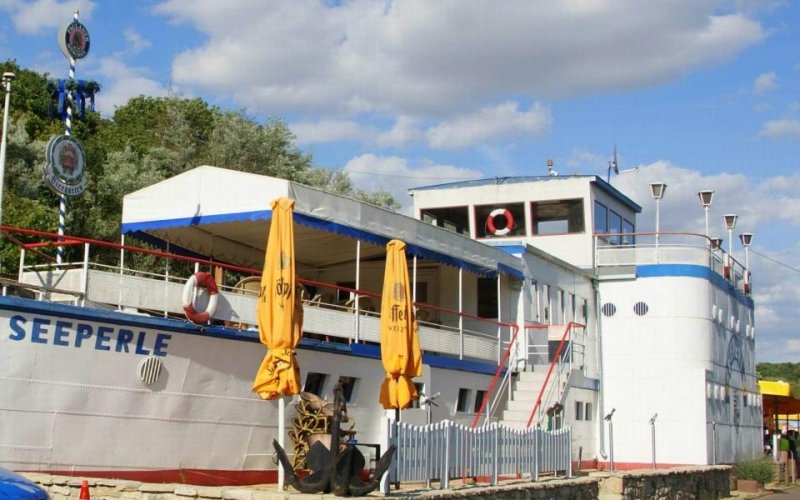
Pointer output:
130, 290
445, 450
669, 248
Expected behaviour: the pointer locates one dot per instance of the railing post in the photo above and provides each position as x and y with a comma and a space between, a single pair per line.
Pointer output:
444, 481
85, 278
21, 272
569, 452
496, 453
536, 453
385, 442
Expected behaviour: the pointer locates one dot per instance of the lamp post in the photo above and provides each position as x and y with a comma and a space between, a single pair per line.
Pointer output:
657, 190
653, 437
7, 78
611, 438
746, 239
730, 223
705, 199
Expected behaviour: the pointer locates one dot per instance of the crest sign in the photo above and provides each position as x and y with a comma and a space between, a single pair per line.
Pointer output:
65, 166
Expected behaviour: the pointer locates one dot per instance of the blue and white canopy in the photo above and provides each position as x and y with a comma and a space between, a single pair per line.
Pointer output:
224, 214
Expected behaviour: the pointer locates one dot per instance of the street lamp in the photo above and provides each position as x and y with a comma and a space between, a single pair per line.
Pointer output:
705, 199
657, 190
716, 243
610, 437
746, 239
7, 78
653, 437
730, 223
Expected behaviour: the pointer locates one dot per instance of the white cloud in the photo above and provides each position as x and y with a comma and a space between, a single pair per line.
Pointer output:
404, 131
394, 175
504, 121
765, 82
136, 42
330, 131
418, 57
32, 17
121, 82
777, 129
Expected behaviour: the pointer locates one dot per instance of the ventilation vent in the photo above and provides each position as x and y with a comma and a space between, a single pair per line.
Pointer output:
640, 308
149, 370
609, 309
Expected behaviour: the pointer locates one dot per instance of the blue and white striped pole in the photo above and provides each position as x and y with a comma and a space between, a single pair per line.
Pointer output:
62, 203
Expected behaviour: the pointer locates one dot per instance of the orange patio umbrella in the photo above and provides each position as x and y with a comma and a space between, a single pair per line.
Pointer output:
400, 351
280, 314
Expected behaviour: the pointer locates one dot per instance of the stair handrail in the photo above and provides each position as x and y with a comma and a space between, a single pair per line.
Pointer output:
561, 377
553, 364
506, 378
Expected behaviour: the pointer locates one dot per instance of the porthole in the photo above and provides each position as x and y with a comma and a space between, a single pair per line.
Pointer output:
149, 370
640, 308
609, 309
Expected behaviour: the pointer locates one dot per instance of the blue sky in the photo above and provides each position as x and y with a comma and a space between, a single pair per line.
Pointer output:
700, 94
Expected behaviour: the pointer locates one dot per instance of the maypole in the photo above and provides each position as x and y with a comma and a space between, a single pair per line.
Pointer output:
65, 169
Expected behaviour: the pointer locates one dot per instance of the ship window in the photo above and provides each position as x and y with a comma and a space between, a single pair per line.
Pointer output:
557, 217
315, 383
535, 300
487, 297
420, 391
600, 218
493, 221
348, 385
463, 400
479, 395
628, 228
609, 309
451, 218
579, 411
588, 411
614, 227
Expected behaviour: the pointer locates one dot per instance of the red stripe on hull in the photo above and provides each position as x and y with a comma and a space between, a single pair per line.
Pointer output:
199, 477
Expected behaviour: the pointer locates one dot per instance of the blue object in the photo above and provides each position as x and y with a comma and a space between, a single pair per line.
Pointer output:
15, 487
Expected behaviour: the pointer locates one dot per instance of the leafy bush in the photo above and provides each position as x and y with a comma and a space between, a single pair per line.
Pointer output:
761, 470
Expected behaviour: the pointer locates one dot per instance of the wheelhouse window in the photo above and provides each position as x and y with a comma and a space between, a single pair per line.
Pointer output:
600, 218
628, 228
557, 217
455, 219
497, 221
614, 227
462, 404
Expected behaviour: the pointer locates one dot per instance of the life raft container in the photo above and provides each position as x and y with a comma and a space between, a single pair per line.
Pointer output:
203, 280
498, 212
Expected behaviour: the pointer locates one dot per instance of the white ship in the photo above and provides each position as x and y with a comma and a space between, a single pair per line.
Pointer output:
540, 280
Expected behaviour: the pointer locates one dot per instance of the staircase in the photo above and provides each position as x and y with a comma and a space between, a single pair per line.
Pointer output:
524, 391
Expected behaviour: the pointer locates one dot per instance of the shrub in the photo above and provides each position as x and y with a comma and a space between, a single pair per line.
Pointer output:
761, 470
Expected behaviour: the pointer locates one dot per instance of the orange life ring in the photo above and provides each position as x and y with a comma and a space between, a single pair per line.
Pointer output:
496, 213
203, 280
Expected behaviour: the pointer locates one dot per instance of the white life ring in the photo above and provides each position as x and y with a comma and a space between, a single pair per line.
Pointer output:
509, 221
205, 280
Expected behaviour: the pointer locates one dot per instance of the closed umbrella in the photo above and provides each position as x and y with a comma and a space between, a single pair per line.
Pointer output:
400, 353
280, 314
280, 317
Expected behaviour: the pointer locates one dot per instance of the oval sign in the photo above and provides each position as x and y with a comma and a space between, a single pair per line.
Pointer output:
74, 41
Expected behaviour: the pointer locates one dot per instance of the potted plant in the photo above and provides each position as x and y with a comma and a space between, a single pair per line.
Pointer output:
752, 475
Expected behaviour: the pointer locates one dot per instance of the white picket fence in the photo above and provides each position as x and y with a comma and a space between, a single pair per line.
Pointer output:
446, 450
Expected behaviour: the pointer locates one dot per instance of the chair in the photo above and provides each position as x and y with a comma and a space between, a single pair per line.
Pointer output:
248, 286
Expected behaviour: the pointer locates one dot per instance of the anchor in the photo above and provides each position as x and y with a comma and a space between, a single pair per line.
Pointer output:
335, 470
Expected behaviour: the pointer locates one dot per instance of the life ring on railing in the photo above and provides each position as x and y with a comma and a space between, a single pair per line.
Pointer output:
204, 280
496, 213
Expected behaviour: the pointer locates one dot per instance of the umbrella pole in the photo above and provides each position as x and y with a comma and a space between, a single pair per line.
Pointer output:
281, 433
397, 433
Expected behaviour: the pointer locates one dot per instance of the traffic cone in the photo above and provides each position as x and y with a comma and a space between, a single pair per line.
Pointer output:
84, 491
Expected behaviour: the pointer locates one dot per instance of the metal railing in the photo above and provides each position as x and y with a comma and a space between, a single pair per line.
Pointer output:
669, 248
562, 365
445, 450
124, 287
